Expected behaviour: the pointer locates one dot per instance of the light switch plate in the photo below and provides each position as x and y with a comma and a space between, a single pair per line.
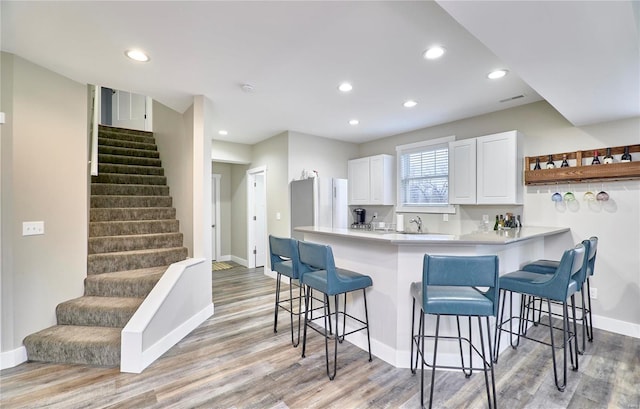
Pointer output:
32, 228
1, 117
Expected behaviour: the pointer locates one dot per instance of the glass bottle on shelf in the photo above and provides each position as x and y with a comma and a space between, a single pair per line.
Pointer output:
596, 160
518, 222
608, 158
537, 165
495, 226
626, 156
564, 164
550, 164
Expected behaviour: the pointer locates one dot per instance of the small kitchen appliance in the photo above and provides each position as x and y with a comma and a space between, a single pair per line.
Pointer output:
359, 215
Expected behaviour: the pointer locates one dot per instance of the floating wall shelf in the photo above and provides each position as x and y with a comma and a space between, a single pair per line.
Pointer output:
583, 171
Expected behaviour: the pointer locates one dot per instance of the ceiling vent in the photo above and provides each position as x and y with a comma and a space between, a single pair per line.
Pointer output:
512, 98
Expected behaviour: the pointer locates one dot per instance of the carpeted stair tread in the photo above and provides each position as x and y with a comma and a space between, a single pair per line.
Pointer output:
119, 178
125, 190
130, 169
114, 150
111, 244
95, 311
73, 344
99, 229
122, 143
129, 160
129, 283
135, 259
131, 213
124, 131
120, 201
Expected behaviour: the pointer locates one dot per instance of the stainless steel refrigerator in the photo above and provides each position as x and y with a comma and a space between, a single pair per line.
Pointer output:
318, 202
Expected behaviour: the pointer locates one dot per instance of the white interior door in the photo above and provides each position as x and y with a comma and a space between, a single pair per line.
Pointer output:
260, 220
129, 110
215, 216
256, 217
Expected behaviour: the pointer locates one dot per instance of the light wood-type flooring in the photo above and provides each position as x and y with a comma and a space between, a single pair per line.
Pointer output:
234, 360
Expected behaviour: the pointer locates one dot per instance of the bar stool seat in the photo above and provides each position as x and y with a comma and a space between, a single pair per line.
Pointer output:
449, 300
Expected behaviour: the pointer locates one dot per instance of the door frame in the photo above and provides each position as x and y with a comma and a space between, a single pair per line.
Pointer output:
215, 177
251, 239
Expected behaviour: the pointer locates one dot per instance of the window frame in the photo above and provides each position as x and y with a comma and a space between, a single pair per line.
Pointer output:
411, 148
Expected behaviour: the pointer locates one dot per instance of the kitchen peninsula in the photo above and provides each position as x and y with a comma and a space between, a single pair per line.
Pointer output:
394, 261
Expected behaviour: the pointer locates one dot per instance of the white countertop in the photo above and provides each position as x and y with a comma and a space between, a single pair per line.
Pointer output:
477, 237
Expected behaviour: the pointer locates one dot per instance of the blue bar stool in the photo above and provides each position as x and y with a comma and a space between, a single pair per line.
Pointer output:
550, 266
319, 272
449, 287
284, 261
556, 287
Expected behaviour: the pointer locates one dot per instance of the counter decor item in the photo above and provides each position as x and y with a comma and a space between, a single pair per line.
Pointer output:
583, 171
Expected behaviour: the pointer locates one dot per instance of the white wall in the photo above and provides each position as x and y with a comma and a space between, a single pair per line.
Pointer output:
224, 224
229, 152
616, 224
44, 178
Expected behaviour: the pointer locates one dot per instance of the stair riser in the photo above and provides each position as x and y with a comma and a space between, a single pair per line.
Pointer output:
124, 214
100, 229
107, 263
124, 131
130, 169
130, 201
117, 178
138, 153
120, 143
92, 317
129, 160
129, 190
99, 245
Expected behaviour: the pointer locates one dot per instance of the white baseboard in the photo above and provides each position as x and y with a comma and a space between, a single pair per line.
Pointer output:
616, 326
223, 258
15, 357
240, 261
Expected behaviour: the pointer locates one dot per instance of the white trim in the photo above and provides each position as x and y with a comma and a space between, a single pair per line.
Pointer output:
241, 261
9, 359
148, 114
429, 142
450, 209
95, 121
619, 327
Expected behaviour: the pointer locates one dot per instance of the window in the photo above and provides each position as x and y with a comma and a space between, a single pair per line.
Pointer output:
423, 176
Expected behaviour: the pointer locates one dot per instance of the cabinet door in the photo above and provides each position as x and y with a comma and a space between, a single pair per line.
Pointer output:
499, 179
358, 170
462, 171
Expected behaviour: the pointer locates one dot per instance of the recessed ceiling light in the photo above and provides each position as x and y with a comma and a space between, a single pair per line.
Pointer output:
409, 104
222, 132
137, 55
434, 52
345, 87
494, 75
354, 122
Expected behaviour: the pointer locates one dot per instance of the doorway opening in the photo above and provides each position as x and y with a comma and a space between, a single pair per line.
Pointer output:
124, 109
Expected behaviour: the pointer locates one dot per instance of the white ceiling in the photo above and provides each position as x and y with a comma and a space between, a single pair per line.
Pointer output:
582, 57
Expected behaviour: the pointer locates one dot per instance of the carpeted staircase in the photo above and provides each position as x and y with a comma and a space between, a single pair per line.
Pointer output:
133, 238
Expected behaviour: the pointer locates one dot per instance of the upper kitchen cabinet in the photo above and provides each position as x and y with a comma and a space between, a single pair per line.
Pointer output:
493, 176
462, 171
371, 180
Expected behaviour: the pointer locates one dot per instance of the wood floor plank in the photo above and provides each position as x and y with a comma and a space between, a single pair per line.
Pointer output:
235, 360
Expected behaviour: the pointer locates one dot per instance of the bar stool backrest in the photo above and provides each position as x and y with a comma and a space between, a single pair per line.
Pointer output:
461, 271
571, 263
593, 251
283, 250
315, 257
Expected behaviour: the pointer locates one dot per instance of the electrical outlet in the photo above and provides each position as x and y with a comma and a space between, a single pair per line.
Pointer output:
375, 215
593, 293
445, 217
32, 228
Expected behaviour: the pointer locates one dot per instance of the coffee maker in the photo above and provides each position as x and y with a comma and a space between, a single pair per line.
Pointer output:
359, 216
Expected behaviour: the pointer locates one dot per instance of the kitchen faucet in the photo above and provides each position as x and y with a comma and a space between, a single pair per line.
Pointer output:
418, 221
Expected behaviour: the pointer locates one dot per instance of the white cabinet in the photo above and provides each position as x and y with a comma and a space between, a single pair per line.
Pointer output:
462, 171
371, 180
493, 176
